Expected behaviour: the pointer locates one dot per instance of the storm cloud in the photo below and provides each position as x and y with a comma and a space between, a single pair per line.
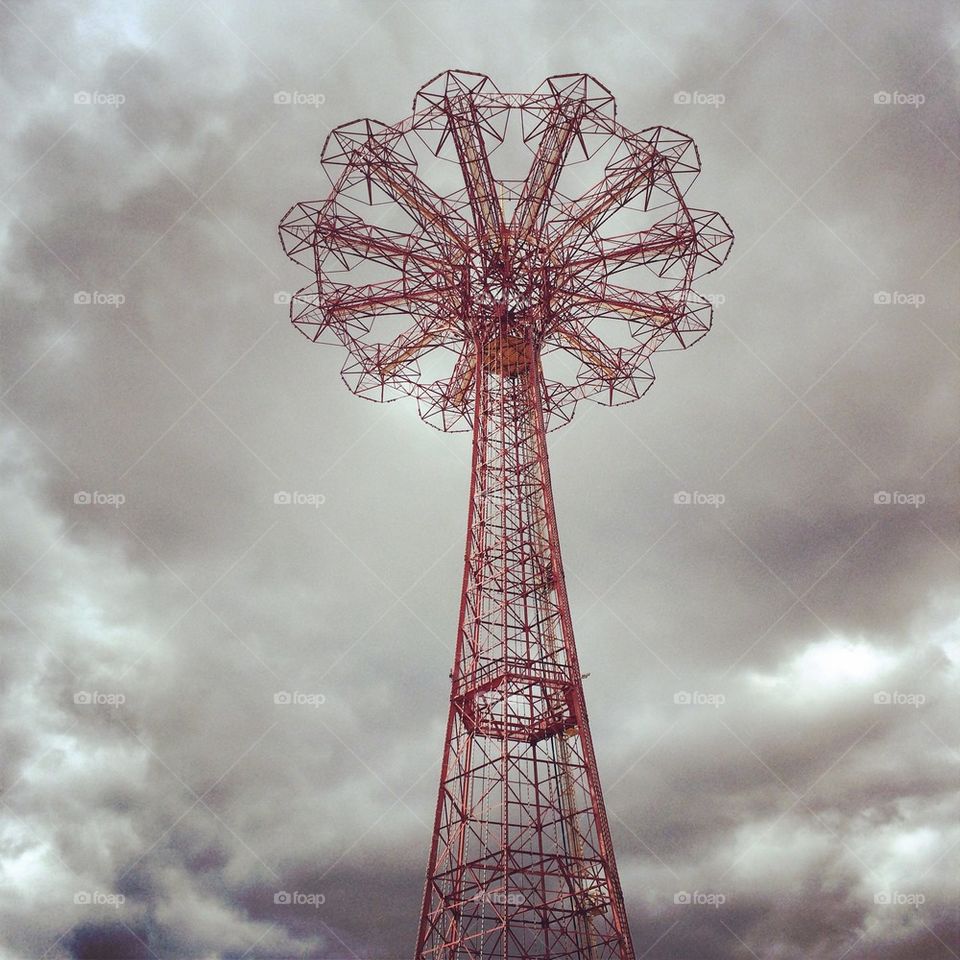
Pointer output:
221, 716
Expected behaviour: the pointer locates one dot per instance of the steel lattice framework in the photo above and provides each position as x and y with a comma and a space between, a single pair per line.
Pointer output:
499, 290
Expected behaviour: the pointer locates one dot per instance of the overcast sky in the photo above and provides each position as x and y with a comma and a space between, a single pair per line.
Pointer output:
155, 599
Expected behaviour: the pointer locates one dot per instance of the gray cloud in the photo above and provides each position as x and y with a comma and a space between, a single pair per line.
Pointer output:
816, 812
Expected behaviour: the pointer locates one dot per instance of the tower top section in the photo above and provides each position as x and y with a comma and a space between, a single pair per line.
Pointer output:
494, 234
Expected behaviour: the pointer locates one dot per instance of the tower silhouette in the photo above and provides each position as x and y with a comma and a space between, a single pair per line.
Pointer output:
499, 297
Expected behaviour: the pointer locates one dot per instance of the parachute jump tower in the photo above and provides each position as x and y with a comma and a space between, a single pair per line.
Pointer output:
462, 257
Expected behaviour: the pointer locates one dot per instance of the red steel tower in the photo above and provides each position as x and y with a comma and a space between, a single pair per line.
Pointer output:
499, 289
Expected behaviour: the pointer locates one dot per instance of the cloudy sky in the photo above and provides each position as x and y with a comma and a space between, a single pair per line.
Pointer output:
155, 599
